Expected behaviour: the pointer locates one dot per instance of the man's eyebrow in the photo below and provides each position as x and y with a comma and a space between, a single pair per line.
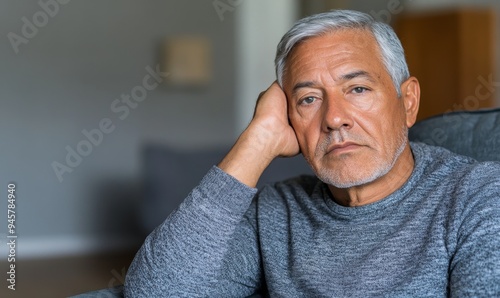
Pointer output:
344, 77
303, 85
356, 74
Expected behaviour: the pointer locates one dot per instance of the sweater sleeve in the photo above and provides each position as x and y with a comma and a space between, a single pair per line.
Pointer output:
198, 249
475, 264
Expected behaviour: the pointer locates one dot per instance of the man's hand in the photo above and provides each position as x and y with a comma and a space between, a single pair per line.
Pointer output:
270, 120
268, 136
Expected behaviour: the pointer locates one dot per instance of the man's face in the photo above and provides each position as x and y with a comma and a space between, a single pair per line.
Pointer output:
350, 123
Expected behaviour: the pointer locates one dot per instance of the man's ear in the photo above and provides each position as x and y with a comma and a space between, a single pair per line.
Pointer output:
410, 93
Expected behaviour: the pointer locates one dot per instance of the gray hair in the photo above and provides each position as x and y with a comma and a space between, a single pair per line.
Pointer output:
391, 49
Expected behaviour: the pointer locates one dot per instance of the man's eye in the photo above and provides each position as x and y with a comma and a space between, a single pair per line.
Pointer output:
307, 100
359, 90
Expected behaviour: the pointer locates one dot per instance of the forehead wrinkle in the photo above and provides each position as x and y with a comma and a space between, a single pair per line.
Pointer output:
356, 74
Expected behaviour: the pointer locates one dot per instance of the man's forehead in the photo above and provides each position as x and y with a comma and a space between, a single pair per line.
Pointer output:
347, 49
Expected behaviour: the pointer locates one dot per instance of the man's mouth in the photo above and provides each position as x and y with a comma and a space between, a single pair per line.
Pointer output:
342, 148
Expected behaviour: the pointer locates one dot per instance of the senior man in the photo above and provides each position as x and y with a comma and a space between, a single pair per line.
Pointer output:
383, 217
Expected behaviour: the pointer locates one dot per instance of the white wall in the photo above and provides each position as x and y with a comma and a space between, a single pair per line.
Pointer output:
260, 25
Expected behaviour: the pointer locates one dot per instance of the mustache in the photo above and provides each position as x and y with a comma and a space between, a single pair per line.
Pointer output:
337, 137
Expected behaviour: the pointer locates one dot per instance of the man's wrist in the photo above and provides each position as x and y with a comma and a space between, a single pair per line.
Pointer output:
248, 158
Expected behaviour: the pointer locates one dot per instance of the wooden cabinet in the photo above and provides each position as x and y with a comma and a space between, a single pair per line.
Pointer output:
452, 55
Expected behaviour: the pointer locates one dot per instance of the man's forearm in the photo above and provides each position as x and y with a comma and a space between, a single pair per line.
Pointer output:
247, 159
183, 254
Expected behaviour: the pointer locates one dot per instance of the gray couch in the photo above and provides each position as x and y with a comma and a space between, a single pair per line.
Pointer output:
474, 133
170, 174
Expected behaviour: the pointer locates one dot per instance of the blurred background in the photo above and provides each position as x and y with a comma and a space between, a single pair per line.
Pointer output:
86, 87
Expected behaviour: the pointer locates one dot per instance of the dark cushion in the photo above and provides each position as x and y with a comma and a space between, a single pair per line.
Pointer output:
471, 133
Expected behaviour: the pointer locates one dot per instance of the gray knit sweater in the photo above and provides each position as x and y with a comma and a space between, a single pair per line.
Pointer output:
436, 236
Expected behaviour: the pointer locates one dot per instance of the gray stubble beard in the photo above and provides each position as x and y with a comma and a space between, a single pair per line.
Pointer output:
333, 177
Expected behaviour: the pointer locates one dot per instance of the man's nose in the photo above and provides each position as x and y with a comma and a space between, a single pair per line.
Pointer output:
336, 114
